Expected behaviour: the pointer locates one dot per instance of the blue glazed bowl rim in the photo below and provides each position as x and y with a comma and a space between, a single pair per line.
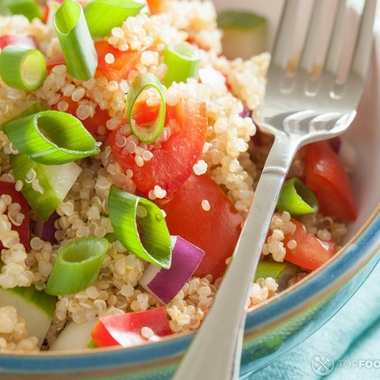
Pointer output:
361, 248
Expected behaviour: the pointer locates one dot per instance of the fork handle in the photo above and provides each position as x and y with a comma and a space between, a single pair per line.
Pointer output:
214, 353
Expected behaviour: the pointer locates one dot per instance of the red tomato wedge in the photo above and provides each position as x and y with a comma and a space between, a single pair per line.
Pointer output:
216, 231
173, 160
325, 175
8, 188
124, 61
310, 252
126, 329
92, 124
155, 6
20, 40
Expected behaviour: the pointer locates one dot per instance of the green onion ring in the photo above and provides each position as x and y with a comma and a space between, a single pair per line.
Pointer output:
103, 15
297, 198
183, 61
75, 39
281, 272
145, 133
21, 68
123, 212
28, 8
33, 108
51, 137
77, 265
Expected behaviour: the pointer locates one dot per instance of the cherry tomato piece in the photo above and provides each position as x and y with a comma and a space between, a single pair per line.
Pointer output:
215, 230
310, 252
326, 176
23, 229
172, 160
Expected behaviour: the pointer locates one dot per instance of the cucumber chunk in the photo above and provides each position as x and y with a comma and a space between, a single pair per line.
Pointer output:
75, 336
44, 186
36, 307
244, 33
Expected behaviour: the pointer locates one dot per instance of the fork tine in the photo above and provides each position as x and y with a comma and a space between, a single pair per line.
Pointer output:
335, 48
362, 53
311, 42
284, 40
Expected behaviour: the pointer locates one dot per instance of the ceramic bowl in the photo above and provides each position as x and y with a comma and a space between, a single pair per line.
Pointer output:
282, 322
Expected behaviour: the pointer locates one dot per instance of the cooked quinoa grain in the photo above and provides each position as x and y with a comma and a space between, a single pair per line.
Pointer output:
232, 156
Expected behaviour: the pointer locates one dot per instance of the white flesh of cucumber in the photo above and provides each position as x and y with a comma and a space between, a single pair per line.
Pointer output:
37, 320
62, 177
75, 336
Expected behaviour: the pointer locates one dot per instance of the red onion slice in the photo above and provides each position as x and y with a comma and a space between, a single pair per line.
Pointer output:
166, 283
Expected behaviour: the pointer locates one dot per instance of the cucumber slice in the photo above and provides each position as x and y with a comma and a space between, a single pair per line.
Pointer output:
44, 186
75, 336
36, 307
244, 33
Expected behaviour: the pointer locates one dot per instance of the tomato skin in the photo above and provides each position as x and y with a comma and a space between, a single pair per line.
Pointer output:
173, 160
155, 6
124, 61
20, 40
118, 70
23, 230
325, 175
125, 329
215, 231
310, 252
100, 117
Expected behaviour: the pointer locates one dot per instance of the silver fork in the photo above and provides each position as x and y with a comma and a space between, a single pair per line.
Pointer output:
298, 110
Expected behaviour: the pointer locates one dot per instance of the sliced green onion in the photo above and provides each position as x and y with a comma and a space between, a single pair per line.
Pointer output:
150, 131
51, 137
77, 265
44, 186
28, 8
281, 272
75, 39
124, 210
4, 9
30, 110
21, 68
103, 15
183, 61
297, 198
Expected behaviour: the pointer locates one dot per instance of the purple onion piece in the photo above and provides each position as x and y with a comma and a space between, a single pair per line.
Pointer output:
46, 230
336, 143
166, 283
246, 112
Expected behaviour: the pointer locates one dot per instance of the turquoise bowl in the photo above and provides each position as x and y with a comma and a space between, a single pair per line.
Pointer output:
279, 324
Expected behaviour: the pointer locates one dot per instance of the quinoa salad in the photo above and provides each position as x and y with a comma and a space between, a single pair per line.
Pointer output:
228, 93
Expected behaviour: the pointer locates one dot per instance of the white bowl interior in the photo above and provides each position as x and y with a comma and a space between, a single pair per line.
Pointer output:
364, 133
